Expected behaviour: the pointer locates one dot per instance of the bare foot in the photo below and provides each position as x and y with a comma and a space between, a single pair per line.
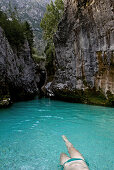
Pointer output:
68, 144
64, 138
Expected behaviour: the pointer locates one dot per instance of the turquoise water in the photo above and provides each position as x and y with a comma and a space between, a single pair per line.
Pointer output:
30, 134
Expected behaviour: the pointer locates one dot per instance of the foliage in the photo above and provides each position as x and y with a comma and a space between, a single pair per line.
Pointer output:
29, 34
37, 57
49, 23
50, 56
16, 31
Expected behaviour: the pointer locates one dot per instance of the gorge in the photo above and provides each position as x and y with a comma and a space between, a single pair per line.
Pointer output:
84, 58
76, 66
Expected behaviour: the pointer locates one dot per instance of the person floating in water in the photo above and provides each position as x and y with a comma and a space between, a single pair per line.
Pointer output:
75, 161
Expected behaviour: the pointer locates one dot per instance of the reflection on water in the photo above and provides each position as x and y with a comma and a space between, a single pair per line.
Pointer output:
30, 134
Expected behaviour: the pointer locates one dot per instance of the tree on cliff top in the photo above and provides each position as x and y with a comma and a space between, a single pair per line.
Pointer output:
16, 31
49, 23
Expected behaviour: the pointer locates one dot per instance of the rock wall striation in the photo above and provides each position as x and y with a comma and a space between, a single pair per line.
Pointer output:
18, 77
84, 45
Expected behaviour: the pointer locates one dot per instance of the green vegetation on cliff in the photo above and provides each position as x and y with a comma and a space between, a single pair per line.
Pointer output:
16, 31
50, 61
49, 24
88, 96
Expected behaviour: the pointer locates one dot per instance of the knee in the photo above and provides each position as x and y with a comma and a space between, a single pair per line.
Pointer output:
62, 155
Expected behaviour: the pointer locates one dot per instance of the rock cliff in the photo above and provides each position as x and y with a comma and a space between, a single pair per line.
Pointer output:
84, 48
18, 77
31, 11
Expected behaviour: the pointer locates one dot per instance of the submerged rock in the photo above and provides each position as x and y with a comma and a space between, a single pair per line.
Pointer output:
84, 48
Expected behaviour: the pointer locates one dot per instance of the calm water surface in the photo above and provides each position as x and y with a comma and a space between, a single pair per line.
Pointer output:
30, 134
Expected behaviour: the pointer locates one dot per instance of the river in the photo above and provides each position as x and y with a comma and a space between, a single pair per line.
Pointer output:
30, 134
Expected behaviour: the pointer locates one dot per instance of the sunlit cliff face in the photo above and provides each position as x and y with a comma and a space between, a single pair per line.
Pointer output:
85, 47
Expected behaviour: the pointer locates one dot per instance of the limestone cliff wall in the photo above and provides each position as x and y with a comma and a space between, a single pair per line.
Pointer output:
84, 45
18, 78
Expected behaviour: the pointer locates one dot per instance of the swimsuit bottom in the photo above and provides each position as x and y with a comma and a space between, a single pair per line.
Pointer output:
74, 159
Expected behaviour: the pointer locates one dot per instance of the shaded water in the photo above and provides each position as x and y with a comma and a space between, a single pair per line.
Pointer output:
30, 134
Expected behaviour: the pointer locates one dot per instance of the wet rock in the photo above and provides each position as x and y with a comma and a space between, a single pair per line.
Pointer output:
5, 103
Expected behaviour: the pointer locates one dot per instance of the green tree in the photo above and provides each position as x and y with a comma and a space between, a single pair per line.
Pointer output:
16, 31
49, 23
50, 56
29, 34
13, 29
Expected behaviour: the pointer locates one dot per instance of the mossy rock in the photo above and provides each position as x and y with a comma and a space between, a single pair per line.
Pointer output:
5, 102
71, 96
89, 96
110, 99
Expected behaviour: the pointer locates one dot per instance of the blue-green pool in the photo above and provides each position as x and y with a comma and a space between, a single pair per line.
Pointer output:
30, 134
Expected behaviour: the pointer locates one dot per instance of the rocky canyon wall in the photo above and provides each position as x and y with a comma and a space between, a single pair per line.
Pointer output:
18, 77
84, 45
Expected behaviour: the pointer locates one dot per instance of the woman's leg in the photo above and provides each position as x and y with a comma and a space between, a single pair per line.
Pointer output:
72, 151
63, 158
